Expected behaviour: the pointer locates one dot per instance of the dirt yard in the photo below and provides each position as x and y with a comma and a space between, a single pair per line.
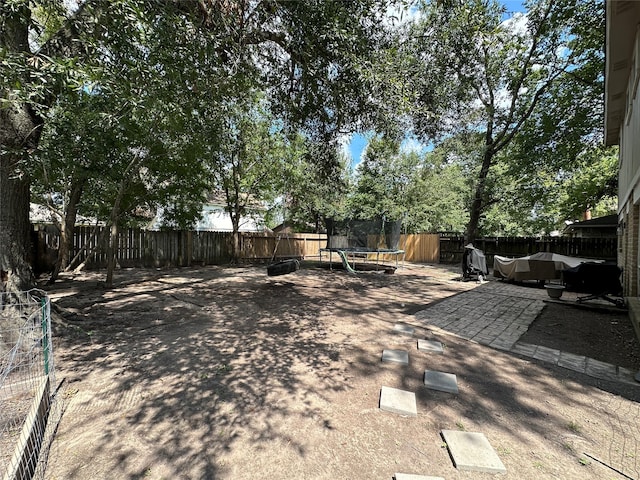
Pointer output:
599, 331
225, 373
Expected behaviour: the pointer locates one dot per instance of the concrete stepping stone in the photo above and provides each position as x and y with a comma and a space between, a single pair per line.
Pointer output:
444, 382
403, 329
431, 346
398, 401
409, 476
395, 356
472, 451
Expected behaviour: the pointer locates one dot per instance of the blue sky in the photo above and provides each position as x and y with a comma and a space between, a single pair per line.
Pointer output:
355, 147
358, 142
514, 5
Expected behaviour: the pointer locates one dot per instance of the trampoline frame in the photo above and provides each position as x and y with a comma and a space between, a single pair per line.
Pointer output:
359, 252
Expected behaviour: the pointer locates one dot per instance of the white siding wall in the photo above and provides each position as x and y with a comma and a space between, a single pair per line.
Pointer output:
629, 179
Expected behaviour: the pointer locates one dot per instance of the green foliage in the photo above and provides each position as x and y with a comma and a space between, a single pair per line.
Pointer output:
428, 192
171, 101
529, 85
321, 83
383, 179
592, 184
557, 161
155, 104
316, 185
249, 163
116, 135
448, 178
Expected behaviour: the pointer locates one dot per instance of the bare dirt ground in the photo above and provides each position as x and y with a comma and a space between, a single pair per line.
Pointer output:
225, 373
603, 332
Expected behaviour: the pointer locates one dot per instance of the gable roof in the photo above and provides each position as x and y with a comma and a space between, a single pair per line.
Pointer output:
608, 221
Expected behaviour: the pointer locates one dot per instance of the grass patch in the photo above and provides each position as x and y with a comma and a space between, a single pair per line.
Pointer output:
574, 426
584, 461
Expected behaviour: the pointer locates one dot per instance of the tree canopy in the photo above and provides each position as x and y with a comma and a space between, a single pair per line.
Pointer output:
116, 109
498, 73
158, 68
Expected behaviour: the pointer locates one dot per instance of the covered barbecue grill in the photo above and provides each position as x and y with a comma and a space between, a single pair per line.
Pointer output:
599, 280
474, 263
541, 266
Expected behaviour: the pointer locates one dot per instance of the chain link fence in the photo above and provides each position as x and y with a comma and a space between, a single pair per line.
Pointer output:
27, 382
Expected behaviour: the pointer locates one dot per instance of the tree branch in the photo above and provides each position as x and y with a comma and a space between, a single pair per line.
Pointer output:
503, 137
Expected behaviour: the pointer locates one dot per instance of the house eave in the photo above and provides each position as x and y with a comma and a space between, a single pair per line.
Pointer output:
623, 15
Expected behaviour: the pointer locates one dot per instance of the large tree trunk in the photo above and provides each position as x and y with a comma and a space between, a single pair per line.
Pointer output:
478, 202
235, 209
19, 131
112, 252
66, 229
114, 220
235, 237
14, 224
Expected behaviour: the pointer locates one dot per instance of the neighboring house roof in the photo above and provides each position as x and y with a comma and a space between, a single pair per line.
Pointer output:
606, 222
282, 228
41, 214
214, 215
217, 220
219, 199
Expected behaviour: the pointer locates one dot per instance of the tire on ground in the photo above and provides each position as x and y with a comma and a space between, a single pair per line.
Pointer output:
283, 267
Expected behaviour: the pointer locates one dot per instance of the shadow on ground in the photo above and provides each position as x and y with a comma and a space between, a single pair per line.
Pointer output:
226, 373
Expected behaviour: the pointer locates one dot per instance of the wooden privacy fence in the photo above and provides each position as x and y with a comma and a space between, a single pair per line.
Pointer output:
452, 248
261, 246
144, 248
421, 247
418, 247
135, 247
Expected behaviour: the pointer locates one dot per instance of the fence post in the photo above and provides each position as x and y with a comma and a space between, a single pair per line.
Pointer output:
189, 247
45, 335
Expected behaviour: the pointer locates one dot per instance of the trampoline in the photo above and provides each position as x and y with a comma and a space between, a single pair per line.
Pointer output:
350, 255
359, 244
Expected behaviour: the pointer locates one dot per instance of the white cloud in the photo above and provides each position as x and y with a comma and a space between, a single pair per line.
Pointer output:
517, 24
410, 145
344, 142
401, 13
